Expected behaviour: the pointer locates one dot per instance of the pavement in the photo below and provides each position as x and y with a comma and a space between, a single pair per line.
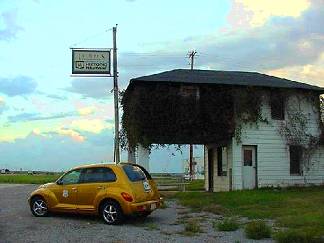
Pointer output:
17, 224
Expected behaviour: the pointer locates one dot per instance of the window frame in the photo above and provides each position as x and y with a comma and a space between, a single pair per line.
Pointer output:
82, 179
139, 168
60, 181
277, 103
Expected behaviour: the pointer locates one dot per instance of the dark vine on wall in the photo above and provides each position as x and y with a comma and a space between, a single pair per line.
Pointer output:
186, 114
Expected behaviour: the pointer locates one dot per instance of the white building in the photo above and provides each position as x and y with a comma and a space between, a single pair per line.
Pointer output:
198, 167
268, 153
258, 130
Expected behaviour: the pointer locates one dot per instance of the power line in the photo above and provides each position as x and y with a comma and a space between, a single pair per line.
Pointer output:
91, 37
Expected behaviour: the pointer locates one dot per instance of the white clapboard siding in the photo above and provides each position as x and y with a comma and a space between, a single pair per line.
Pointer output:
273, 164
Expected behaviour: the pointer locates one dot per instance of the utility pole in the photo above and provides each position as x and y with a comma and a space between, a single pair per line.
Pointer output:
116, 147
191, 55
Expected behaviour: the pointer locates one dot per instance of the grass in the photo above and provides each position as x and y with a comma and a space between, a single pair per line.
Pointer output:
192, 227
257, 230
229, 224
295, 236
151, 226
28, 179
196, 185
299, 208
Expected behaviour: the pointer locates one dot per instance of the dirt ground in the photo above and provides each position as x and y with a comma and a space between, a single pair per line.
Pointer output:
17, 224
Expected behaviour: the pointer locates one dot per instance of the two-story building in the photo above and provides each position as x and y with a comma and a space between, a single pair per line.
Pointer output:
258, 130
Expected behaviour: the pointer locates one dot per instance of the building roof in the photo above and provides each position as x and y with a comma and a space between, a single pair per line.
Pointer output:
224, 78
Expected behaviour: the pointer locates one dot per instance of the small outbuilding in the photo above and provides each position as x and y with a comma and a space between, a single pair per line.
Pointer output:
258, 130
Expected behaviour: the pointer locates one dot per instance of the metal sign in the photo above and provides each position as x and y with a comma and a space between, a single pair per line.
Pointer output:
91, 61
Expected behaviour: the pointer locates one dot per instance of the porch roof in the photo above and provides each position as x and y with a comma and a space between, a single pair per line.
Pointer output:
187, 76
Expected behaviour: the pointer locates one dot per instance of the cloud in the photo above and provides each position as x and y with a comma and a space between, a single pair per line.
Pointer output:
21, 85
23, 117
2, 105
255, 13
57, 97
91, 125
71, 133
283, 41
89, 110
11, 28
311, 72
52, 151
94, 88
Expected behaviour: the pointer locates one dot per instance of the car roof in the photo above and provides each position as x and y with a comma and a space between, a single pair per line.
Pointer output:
100, 165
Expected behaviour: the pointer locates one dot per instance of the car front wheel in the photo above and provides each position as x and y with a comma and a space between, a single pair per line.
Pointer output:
38, 207
111, 213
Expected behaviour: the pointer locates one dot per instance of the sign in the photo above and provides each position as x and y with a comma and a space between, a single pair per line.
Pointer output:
91, 61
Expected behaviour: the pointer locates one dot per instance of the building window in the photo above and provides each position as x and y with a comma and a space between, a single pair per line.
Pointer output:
221, 161
247, 160
277, 107
296, 154
190, 92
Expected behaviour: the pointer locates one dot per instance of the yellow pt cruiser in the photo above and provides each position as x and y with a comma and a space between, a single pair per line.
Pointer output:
112, 191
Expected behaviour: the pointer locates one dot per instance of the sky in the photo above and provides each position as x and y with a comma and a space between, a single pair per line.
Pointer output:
52, 121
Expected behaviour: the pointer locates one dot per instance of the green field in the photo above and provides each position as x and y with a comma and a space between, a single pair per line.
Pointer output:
296, 208
28, 179
196, 185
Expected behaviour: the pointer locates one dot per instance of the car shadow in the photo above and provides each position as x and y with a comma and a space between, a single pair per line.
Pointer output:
95, 219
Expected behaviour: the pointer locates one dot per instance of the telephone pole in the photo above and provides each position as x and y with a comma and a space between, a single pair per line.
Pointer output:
116, 147
191, 56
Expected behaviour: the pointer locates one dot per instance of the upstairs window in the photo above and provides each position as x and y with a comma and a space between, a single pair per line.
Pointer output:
296, 154
187, 91
277, 107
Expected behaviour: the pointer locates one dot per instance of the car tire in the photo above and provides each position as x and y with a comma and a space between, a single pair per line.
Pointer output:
111, 213
38, 207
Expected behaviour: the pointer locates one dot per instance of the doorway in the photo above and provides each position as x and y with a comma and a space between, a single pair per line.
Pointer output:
249, 171
210, 170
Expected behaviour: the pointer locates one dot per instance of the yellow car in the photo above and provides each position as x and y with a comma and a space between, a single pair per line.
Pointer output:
112, 191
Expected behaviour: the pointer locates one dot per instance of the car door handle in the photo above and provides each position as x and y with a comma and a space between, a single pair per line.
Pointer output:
74, 189
100, 187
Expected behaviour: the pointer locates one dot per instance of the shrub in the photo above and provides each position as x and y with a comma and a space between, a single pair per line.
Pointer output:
296, 236
229, 224
192, 227
257, 230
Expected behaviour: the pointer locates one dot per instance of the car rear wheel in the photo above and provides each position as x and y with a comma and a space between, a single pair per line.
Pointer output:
111, 213
38, 207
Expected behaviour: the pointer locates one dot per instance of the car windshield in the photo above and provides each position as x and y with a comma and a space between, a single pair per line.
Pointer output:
134, 173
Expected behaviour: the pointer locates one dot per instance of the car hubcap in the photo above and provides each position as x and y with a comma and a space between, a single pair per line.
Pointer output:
110, 213
40, 207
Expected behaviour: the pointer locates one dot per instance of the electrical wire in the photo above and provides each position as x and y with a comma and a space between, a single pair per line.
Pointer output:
90, 37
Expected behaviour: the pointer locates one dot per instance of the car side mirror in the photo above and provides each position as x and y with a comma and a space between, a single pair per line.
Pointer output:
59, 182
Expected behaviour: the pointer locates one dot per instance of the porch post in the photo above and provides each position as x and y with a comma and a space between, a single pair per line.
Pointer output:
143, 158
131, 156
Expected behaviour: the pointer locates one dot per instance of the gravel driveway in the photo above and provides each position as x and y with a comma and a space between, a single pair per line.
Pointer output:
164, 225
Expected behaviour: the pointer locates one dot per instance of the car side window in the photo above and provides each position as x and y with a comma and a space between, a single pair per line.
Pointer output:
71, 177
101, 174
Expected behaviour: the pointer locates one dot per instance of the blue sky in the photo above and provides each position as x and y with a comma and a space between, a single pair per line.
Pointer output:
51, 121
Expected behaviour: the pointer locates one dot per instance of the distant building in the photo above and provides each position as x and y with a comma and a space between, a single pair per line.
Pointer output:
198, 168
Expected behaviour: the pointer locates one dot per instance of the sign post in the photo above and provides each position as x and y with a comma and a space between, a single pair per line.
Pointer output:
96, 62
116, 150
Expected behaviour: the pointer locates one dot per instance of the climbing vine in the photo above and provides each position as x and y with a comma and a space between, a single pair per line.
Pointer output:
296, 129
247, 109
186, 114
